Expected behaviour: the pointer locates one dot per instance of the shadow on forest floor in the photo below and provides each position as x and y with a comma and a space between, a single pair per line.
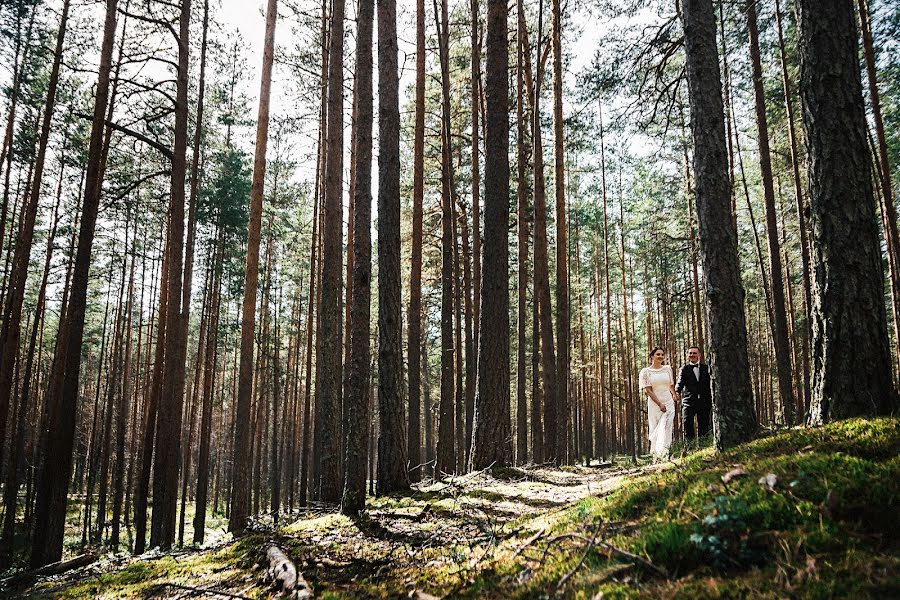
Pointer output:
806, 513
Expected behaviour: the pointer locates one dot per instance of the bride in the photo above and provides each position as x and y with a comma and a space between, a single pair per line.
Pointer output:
658, 382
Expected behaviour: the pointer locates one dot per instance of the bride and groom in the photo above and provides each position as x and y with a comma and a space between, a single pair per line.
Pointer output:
692, 388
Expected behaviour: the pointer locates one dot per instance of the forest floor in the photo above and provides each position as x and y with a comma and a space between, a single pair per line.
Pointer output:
807, 513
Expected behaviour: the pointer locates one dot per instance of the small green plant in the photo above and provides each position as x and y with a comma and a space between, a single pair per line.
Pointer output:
725, 538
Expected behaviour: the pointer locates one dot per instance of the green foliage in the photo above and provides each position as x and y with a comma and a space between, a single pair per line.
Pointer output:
223, 201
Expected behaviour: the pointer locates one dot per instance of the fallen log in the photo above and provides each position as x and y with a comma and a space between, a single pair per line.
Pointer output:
283, 576
82, 560
24, 577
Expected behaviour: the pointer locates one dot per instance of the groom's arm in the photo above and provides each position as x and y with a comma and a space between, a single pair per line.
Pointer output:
707, 386
680, 385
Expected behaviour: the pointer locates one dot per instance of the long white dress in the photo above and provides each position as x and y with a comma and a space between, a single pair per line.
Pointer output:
661, 423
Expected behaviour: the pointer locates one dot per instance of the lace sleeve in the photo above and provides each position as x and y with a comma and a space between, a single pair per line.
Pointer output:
644, 378
671, 375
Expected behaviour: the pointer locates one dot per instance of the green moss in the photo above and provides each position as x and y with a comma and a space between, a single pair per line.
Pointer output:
824, 531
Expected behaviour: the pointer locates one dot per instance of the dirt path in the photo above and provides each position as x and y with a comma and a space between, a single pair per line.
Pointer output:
432, 541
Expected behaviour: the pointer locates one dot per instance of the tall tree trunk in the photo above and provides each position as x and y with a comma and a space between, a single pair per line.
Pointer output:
446, 453
414, 319
800, 208
892, 237
209, 375
851, 352
151, 410
240, 492
733, 415
119, 480
356, 408
61, 404
392, 471
328, 390
780, 331
168, 428
491, 443
562, 245
17, 444
476, 91
552, 450
12, 313
522, 232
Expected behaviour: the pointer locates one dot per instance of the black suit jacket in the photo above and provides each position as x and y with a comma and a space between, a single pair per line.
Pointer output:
693, 392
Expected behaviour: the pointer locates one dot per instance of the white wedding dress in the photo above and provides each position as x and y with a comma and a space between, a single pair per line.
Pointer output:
661, 423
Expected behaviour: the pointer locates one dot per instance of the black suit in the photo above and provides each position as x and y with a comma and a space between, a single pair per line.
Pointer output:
696, 399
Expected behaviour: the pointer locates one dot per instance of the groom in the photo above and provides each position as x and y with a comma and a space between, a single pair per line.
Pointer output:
696, 394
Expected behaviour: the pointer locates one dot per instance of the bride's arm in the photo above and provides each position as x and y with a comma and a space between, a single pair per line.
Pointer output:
672, 385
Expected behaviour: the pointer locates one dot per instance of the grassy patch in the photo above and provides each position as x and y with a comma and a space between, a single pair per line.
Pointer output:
820, 526
823, 530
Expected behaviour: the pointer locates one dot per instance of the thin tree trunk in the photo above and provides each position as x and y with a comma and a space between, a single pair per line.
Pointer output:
53, 481
780, 331
328, 390
800, 208
414, 319
522, 232
446, 453
476, 91
356, 414
12, 313
168, 428
240, 493
562, 245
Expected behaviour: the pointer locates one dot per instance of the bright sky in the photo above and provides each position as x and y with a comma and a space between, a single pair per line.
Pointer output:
247, 16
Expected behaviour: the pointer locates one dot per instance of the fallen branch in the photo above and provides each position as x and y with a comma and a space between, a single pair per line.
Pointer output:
415, 518
640, 560
283, 575
62, 566
568, 576
530, 541
198, 590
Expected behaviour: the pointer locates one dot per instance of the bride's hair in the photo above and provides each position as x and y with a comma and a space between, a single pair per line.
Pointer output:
654, 351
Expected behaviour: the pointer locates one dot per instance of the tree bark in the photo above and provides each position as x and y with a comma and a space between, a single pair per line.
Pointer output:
356, 408
734, 419
491, 442
53, 481
240, 492
328, 392
562, 246
414, 319
168, 428
780, 331
851, 352
551, 447
446, 453
12, 314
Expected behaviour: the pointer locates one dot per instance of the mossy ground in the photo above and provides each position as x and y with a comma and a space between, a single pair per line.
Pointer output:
826, 529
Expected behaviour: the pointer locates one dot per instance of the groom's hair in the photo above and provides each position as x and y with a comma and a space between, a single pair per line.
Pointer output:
693, 347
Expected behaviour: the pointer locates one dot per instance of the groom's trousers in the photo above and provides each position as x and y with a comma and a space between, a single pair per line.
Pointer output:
704, 422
